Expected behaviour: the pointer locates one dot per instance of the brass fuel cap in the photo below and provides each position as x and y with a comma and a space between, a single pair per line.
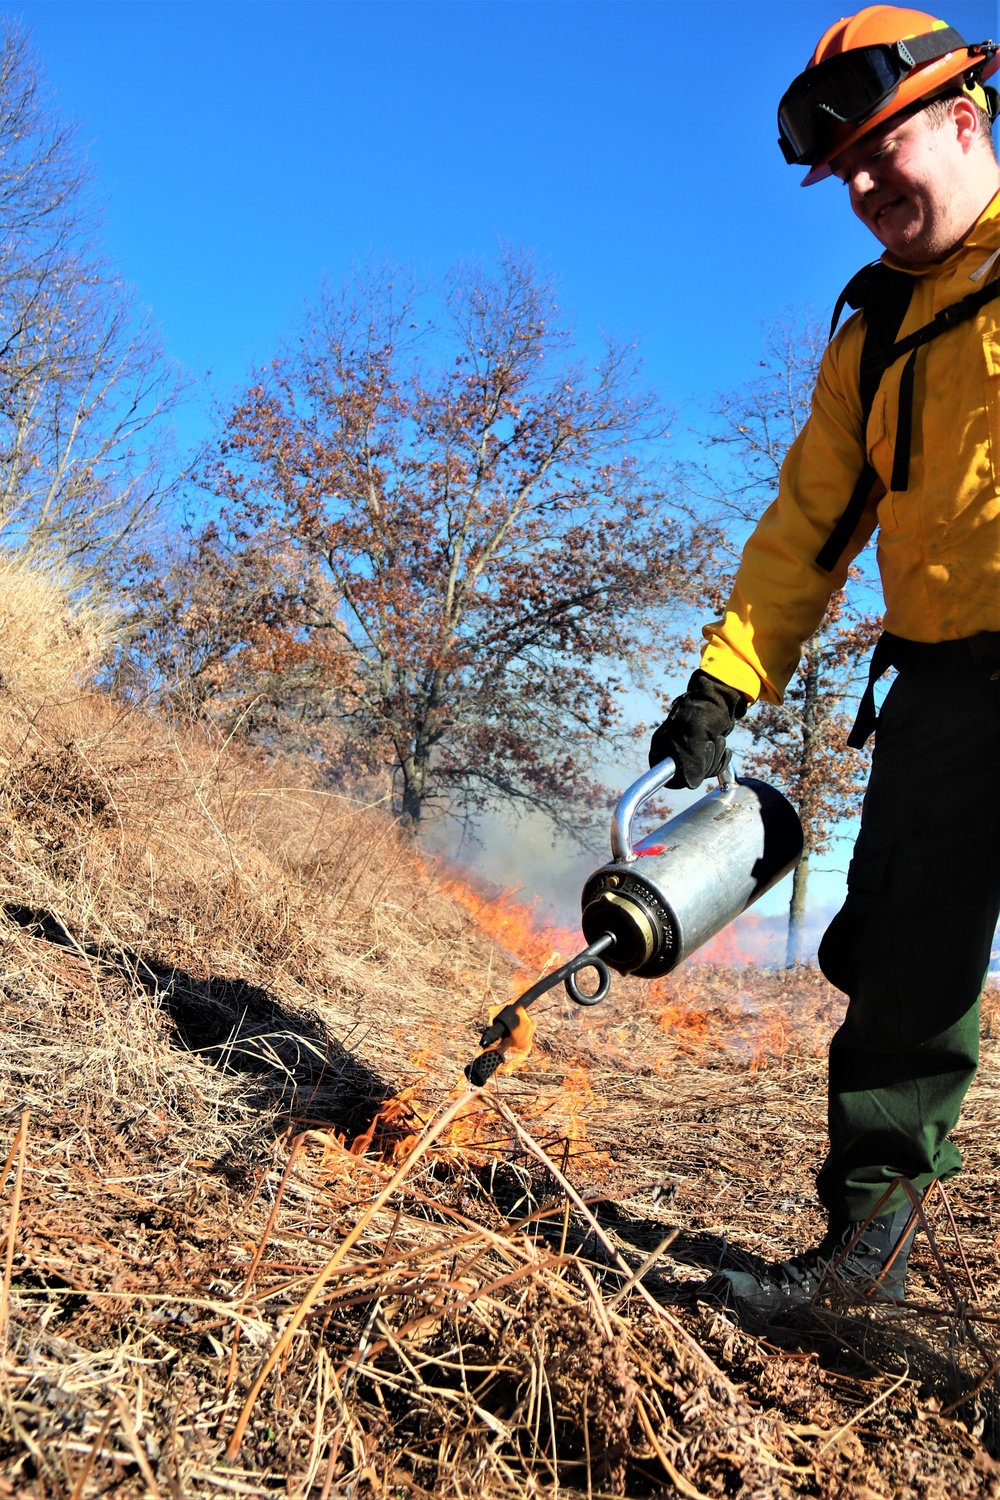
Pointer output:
633, 927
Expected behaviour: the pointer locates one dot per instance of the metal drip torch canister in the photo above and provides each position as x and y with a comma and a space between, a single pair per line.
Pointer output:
682, 884
659, 901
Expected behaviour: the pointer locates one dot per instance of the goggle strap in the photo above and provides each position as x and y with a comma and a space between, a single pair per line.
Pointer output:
917, 50
912, 53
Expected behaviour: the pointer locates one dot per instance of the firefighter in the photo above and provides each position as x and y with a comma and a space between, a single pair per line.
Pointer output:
903, 437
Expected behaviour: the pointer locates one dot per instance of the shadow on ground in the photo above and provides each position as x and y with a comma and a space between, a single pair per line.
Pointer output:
295, 1064
932, 1347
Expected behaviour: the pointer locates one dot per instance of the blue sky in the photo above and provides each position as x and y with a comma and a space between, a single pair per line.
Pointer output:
245, 152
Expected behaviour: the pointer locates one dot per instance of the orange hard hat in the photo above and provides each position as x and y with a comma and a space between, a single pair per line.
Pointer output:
869, 67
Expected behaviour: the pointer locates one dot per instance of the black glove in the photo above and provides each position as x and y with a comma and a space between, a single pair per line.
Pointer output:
694, 731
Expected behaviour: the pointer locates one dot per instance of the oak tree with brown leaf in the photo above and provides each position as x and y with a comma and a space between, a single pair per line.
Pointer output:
436, 526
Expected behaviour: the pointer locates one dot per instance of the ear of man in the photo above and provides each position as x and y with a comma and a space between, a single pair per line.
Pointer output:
972, 125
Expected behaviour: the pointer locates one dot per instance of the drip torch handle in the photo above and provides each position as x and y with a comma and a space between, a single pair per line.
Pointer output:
639, 792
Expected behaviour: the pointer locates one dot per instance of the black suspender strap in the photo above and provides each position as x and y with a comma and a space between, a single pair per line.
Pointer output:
979, 653
948, 317
835, 545
851, 291
867, 715
900, 478
884, 297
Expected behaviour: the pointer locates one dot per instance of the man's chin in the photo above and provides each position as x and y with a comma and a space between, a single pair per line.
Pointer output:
905, 242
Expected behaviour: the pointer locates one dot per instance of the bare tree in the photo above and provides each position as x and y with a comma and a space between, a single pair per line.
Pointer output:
801, 744
446, 522
83, 383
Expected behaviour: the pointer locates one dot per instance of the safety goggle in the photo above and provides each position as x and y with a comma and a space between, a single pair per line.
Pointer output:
850, 88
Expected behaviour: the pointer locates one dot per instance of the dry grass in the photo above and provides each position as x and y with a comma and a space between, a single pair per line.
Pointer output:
258, 1239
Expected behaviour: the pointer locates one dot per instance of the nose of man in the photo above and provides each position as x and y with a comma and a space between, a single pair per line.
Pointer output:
862, 182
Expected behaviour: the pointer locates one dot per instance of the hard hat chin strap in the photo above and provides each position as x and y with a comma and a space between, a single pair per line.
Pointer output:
992, 100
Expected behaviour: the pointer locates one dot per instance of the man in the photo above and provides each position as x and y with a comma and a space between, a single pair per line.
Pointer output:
904, 435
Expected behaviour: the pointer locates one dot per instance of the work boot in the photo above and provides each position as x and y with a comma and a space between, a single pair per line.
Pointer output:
858, 1271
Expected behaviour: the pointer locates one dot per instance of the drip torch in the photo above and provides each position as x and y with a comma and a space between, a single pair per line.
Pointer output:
658, 901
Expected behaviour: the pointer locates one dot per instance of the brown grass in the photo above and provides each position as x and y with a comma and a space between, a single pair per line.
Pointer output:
234, 1012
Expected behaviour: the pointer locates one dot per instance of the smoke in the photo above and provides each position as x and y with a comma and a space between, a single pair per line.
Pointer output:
761, 938
523, 855
547, 873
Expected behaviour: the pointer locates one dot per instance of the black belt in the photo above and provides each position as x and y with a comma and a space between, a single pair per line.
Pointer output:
982, 650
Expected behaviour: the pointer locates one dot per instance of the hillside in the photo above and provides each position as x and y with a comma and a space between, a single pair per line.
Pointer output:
260, 1239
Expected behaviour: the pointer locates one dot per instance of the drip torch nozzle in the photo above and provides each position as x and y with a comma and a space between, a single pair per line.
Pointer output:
512, 1027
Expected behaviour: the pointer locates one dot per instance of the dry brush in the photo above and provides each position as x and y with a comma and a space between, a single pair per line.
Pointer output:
259, 1239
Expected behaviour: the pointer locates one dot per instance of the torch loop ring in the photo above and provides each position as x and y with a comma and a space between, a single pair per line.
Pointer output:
588, 961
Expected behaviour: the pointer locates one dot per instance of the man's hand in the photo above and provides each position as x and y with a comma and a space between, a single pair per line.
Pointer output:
694, 731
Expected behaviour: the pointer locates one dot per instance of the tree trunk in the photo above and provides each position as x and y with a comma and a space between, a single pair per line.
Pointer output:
797, 912
414, 769
412, 808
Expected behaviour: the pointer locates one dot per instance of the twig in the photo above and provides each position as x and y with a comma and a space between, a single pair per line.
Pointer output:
88, 1463
331, 1464
567, 1187
917, 1202
268, 1227
958, 1240
647, 1265
673, 1474
15, 1211
586, 1435
309, 1300
10, 1156
131, 1437
860, 1416
600, 1311
960, 1307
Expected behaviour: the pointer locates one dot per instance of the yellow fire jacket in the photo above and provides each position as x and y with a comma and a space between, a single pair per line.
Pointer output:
939, 540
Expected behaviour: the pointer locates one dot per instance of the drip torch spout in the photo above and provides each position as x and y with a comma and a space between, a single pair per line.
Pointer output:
513, 1016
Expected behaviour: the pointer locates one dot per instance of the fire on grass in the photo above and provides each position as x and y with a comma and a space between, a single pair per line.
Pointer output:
536, 948
474, 1138
723, 1003
725, 998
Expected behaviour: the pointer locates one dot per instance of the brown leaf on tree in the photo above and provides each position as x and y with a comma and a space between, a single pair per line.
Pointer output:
441, 551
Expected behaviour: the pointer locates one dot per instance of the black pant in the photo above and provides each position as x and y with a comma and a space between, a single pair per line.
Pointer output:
911, 944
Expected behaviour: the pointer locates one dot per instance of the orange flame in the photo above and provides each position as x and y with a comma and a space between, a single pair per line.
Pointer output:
385, 1132
724, 1003
516, 926
476, 1133
746, 941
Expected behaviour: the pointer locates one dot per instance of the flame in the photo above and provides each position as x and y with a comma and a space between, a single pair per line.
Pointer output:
386, 1131
755, 1014
516, 926
582, 1099
689, 1026
727, 1004
748, 940
478, 1135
